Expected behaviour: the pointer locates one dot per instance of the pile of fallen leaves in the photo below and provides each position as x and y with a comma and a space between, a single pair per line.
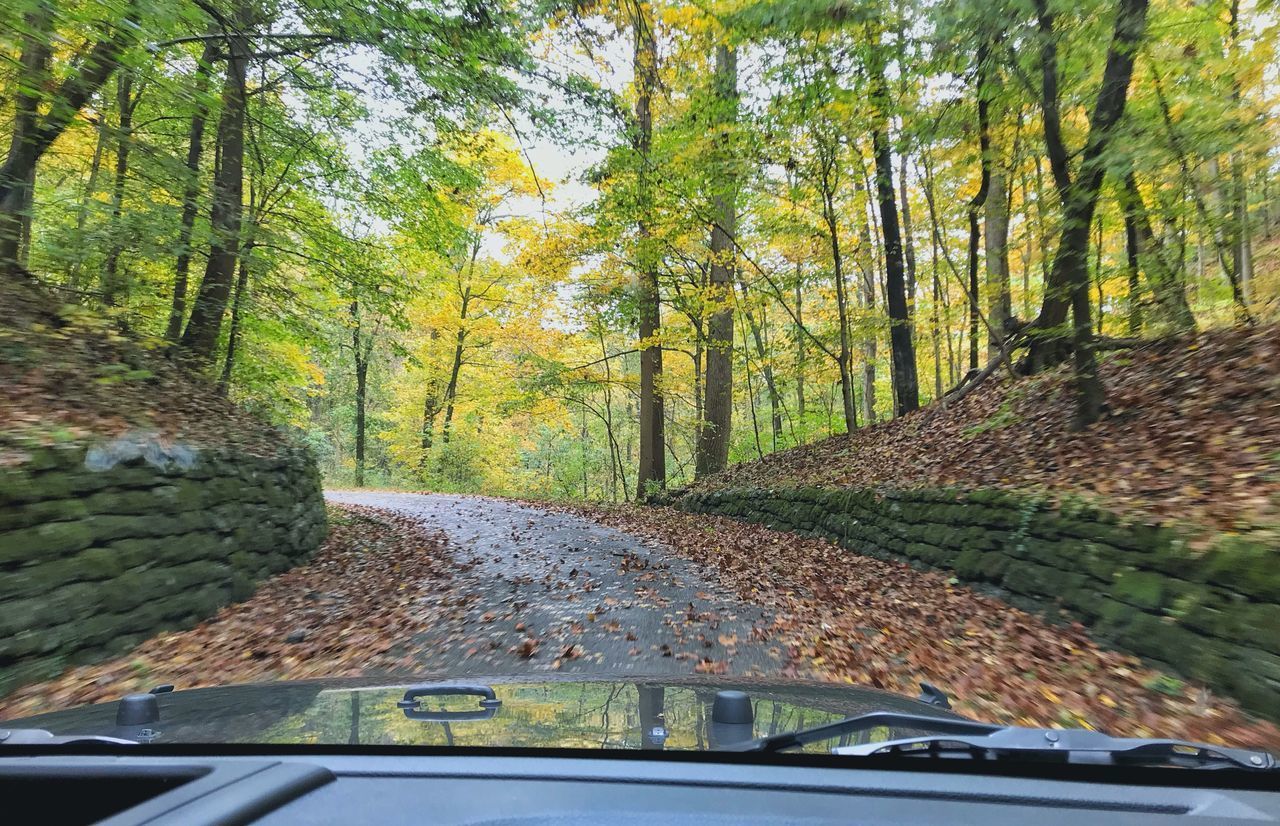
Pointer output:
860, 620
374, 583
69, 375
1193, 434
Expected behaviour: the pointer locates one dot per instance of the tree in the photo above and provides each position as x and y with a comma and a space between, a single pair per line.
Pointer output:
191, 190
200, 338
1068, 284
901, 340
652, 462
712, 451
32, 133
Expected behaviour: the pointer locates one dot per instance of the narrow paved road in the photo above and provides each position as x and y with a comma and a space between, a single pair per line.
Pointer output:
596, 600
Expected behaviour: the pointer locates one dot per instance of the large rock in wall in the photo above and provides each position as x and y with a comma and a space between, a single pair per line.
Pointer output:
101, 548
1212, 615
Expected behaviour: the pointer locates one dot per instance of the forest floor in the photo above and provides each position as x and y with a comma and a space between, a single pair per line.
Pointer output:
414, 585
1192, 435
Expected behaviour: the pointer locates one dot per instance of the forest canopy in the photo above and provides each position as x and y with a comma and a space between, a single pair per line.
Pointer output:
590, 250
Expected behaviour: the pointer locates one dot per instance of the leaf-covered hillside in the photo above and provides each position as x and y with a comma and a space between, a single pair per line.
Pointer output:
1193, 433
68, 375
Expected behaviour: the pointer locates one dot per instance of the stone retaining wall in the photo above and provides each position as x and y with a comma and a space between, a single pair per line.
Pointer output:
1213, 616
102, 548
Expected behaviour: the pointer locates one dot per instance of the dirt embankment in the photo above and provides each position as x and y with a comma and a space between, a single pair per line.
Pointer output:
70, 376
1192, 436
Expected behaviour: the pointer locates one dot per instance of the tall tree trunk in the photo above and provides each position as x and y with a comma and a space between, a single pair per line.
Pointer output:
867, 293
32, 76
360, 350
1241, 252
908, 242
455, 370
200, 339
1098, 244
766, 368
30, 144
1069, 278
936, 333
711, 452
1173, 312
902, 349
190, 191
113, 286
653, 458
751, 396
237, 309
842, 304
999, 302
979, 198
430, 409
800, 352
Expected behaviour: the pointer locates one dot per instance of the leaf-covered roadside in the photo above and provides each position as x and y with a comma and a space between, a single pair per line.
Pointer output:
845, 617
1193, 434
71, 376
378, 579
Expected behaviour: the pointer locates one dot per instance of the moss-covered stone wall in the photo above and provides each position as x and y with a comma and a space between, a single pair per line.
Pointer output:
101, 548
1211, 615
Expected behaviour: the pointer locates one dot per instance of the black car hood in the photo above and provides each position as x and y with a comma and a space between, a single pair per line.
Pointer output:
543, 713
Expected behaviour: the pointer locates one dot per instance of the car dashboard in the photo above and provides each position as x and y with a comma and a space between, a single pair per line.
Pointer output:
479, 787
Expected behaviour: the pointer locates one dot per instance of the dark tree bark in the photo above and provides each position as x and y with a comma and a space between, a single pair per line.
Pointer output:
867, 293
711, 452
1241, 243
190, 192
902, 348
430, 409
455, 369
908, 241
113, 286
842, 300
979, 198
653, 459
1079, 195
361, 347
800, 351
237, 308
1068, 286
999, 301
64, 104
200, 339
33, 70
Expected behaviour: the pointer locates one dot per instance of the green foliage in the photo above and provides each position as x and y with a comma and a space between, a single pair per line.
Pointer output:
401, 221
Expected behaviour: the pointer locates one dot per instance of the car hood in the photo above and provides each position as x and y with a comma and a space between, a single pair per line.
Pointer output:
546, 713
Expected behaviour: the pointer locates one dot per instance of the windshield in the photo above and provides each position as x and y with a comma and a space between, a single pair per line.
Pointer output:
607, 356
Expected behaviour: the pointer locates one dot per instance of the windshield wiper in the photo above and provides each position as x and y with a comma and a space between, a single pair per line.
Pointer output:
958, 738
865, 722
1068, 746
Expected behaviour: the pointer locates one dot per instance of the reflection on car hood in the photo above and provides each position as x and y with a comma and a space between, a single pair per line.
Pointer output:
547, 713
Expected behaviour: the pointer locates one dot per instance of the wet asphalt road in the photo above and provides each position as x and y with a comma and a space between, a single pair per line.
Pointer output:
625, 606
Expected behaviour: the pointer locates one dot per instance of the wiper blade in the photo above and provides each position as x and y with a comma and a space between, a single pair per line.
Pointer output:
1069, 746
865, 722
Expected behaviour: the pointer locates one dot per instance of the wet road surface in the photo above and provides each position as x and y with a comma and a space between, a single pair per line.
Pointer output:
595, 600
